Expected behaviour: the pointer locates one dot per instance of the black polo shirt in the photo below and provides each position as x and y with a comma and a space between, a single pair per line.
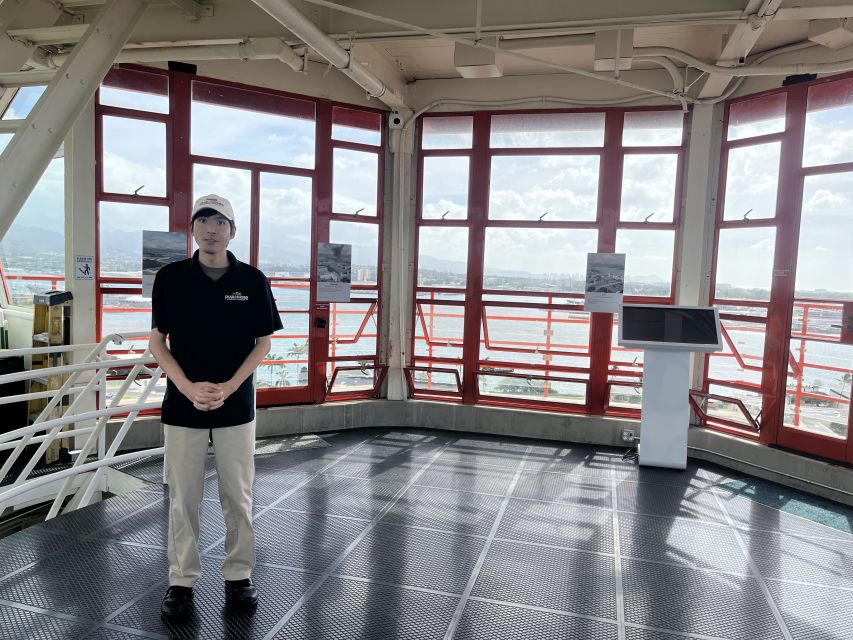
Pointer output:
212, 326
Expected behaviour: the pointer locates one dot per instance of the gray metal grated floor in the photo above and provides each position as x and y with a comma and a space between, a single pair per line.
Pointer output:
427, 534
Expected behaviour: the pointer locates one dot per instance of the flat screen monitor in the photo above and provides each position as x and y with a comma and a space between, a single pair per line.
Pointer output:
667, 326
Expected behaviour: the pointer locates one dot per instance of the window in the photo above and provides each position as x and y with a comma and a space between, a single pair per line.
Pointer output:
784, 271
32, 253
258, 148
503, 245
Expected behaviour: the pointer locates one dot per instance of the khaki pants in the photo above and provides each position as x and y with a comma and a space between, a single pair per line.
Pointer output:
186, 453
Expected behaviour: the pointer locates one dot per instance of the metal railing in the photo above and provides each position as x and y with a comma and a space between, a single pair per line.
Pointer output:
84, 379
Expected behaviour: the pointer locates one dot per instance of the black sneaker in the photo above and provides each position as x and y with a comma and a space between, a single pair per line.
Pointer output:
241, 593
176, 602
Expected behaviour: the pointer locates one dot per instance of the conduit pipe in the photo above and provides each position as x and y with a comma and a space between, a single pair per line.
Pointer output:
251, 49
290, 17
746, 70
471, 43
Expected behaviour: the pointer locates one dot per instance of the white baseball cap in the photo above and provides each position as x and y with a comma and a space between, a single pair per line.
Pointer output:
214, 203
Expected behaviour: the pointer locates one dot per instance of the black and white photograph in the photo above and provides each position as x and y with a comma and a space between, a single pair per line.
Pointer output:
160, 248
605, 281
334, 272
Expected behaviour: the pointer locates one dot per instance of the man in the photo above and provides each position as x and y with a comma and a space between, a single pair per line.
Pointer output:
219, 314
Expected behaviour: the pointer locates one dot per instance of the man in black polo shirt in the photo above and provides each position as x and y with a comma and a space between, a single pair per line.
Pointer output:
219, 314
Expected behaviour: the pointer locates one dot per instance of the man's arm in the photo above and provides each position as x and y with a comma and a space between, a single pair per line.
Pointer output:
255, 357
201, 394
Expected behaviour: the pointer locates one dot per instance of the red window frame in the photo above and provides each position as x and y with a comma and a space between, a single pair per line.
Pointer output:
612, 154
179, 163
779, 318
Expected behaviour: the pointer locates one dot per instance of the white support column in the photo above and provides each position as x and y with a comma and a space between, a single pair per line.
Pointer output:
80, 232
28, 154
400, 283
700, 204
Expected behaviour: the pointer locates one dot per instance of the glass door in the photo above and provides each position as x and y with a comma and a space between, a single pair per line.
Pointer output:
820, 364
284, 255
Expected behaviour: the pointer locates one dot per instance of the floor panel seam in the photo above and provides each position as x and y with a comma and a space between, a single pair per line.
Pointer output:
141, 596
756, 573
481, 559
51, 613
617, 560
343, 555
530, 607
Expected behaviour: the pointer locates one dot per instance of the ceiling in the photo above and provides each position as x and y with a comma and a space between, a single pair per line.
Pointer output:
407, 42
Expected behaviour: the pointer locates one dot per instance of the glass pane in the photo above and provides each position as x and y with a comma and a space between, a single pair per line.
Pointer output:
121, 226
140, 100
535, 336
818, 400
745, 263
286, 365
456, 132
825, 254
817, 319
351, 380
439, 330
547, 130
730, 411
752, 177
355, 188
748, 339
344, 323
445, 189
364, 238
353, 125
236, 185
829, 124
134, 156
757, 117
626, 396
134, 89
5, 138
648, 187
23, 102
532, 388
426, 381
125, 313
648, 260
442, 257
652, 128
544, 188
252, 136
538, 259
284, 247
33, 249
744, 310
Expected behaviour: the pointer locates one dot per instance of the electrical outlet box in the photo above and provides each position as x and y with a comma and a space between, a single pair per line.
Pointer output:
627, 435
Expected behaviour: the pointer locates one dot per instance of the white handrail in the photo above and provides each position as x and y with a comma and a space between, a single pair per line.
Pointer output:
99, 362
97, 365
79, 417
35, 483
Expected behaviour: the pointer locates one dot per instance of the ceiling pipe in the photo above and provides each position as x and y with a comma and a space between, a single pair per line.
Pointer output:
683, 100
251, 49
291, 18
746, 70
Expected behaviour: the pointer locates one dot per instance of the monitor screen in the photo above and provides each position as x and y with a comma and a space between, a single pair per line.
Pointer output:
665, 325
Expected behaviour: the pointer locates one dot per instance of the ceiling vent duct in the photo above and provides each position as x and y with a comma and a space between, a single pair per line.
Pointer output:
477, 62
614, 49
835, 34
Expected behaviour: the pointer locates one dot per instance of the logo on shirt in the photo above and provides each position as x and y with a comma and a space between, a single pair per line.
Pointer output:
236, 297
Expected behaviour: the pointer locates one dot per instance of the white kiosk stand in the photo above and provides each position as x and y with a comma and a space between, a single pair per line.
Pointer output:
668, 334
